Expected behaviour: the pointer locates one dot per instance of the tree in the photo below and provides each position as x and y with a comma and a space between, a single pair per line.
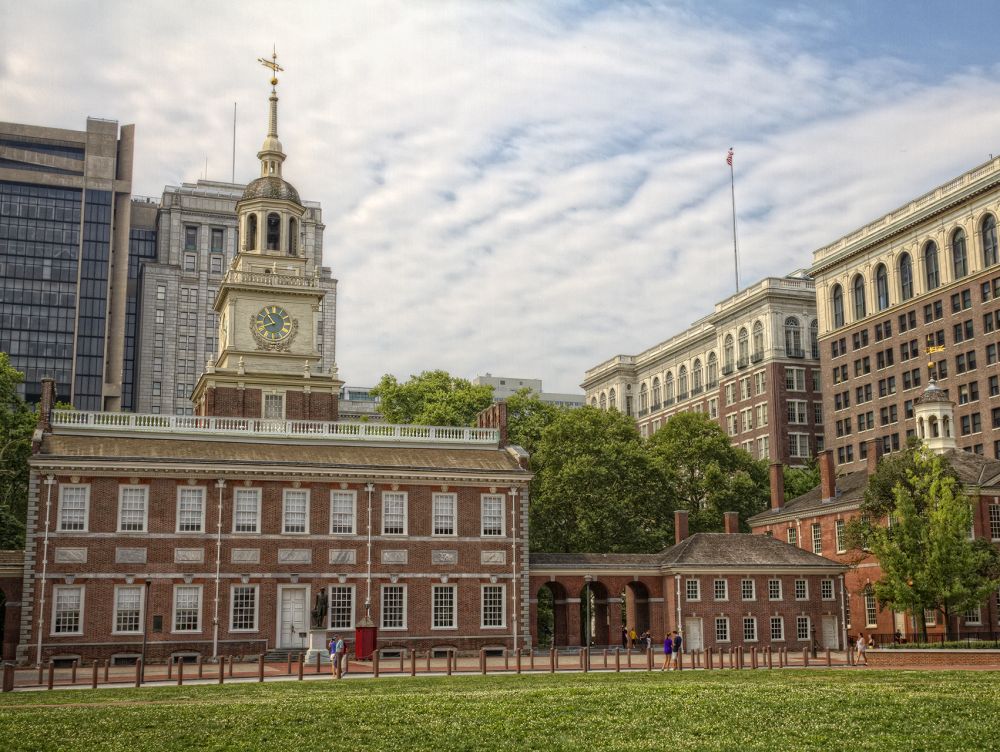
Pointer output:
17, 422
801, 480
434, 398
705, 474
596, 488
527, 417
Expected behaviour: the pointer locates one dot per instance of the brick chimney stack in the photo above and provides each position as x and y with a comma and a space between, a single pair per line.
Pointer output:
680, 525
731, 520
874, 455
827, 475
46, 404
777, 485
495, 416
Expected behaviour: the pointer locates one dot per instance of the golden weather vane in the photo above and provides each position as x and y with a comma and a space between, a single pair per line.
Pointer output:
272, 64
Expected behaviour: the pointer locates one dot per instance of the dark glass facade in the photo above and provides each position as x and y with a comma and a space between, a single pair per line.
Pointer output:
141, 247
92, 317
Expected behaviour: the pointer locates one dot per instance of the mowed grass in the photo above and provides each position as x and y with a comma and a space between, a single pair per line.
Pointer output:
722, 710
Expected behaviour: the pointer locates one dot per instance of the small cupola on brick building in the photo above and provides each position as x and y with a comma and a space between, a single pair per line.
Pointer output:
268, 362
935, 416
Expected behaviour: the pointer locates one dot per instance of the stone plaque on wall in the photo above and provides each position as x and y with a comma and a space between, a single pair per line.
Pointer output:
492, 557
294, 555
130, 556
343, 556
444, 557
189, 555
71, 556
394, 557
246, 556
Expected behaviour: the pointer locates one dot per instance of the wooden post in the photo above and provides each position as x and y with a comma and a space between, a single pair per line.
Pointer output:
769, 663
318, 662
649, 660
138, 672
93, 678
708, 659
829, 658
552, 660
447, 662
413, 662
805, 657
52, 673
506, 659
428, 661
402, 660
222, 669
628, 654
201, 666
288, 668
531, 658
180, 673
375, 664
73, 674
232, 661
753, 657
517, 659
302, 665
618, 660
680, 660
482, 661
170, 668
260, 667
8, 677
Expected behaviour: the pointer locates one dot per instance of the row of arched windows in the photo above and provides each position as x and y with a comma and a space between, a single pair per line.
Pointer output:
958, 261
272, 234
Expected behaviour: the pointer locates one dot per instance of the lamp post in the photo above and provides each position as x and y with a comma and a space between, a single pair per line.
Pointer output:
586, 589
145, 629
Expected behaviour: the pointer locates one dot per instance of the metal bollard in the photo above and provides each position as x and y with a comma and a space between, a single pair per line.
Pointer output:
222, 669
52, 674
517, 659
93, 678
138, 672
302, 665
180, 673
260, 667
413, 662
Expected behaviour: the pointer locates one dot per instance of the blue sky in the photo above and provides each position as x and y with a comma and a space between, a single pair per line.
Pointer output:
531, 188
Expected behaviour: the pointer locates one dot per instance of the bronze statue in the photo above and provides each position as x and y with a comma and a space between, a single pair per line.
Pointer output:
319, 610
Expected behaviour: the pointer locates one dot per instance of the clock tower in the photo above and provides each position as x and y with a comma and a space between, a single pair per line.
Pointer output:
268, 364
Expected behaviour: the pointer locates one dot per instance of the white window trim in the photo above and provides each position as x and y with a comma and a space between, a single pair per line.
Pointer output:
756, 631
354, 511
406, 512
482, 516
381, 608
145, 511
839, 528
201, 608
256, 609
259, 494
781, 590
142, 611
977, 622
482, 604
808, 637
263, 405
55, 601
454, 610
697, 584
86, 508
284, 507
816, 531
329, 604
795, 589
771, 632
729, 630
715, 596
453, 497
833, 590
753, 590
204, 503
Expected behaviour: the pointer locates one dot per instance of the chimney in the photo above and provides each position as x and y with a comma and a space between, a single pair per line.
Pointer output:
777, 485
495, 416
680, 525
874, 455
827, 475
46, 404
731, 520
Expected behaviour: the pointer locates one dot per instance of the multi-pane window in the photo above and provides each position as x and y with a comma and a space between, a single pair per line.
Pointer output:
693, 590
826, 590
721, 629
796, 411
443, 505
798, 444
801, 590
802, 627
748, 590
974, 616
342, 506
494, 602
393, 607
777, 628
128, 609
443, 607
190, 238
774, 590
274, 407
244, 610
132, 506
492, 514
839, 530
296, 511
817, 538
871, 609
73, 504
218, 234
721, 588
187, 608
394, 513
795, 379
792, 535
190, 509
246, 510
995, 521
67, 606
749, 629
341, 606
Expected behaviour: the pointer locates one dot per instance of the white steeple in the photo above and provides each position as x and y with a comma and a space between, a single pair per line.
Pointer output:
935, 415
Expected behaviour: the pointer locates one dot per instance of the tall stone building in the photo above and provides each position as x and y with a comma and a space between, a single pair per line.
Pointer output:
752, 365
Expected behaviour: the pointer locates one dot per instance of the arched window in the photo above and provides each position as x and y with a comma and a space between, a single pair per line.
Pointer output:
273, 231
713, 370
988, 232
293, 236
838, 305
959, 261
758, 341
682, 383
604, 401
860, 308
744, 346
696, 377
593, 401
656, 393
643, 398
668, 388
814, 338
931, 272
252, 232
727, 354
611, 400
905, 277
881, 287
793, 337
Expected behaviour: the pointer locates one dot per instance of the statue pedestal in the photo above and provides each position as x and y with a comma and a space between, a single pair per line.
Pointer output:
318, 645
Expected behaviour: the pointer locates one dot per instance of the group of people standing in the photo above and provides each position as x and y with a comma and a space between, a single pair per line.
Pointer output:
672, 644
338, 657
635, 640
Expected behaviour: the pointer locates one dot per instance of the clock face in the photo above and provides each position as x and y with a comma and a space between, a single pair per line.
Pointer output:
273, 323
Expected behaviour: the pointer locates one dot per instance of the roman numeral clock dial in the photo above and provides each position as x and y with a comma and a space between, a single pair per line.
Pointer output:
273, 328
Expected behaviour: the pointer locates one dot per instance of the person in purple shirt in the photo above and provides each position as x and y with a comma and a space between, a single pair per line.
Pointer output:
675, 654
668, 649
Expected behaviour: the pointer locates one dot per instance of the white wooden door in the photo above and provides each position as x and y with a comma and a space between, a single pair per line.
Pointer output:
829, 637
693, 639
293, 624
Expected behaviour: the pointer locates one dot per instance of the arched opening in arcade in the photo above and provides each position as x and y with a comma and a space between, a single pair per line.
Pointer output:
551, 615
595, 627
635, 607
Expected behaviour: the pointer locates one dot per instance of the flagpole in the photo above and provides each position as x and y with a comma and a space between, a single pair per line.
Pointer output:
732, 190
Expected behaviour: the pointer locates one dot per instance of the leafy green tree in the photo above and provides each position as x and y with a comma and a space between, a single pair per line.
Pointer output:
434, 398
705, 474
17, 422
527, 417
596, 488
800, 480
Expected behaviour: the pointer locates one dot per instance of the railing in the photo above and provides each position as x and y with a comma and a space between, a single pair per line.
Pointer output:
757, 357
668, 401
75, 420
695, 390
795, 352
642, 411
982, 639
682, 396
742, 363
656, 406
713, 384
270, 280
726, 370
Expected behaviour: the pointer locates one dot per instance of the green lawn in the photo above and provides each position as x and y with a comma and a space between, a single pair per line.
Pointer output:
722, 710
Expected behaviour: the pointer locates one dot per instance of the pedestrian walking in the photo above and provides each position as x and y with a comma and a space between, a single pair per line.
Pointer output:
861, 646
339, 653
624, 637
668, 649
632, 636
332, 649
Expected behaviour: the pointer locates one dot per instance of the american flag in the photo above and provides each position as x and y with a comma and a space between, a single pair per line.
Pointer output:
729, 157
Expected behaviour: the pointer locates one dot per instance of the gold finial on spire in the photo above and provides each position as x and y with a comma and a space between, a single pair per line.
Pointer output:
273, 65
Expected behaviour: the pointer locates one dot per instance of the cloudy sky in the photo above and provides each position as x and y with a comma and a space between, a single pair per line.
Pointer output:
529, 189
